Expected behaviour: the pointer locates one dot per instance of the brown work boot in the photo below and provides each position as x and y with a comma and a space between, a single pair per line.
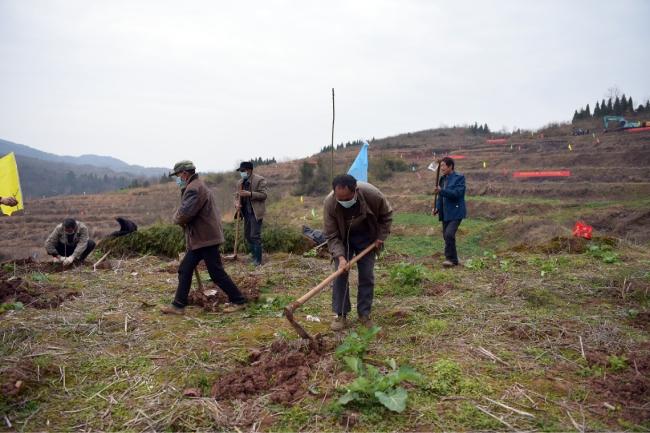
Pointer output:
231, 308
172, 309
448, 264
339, 323
365, 321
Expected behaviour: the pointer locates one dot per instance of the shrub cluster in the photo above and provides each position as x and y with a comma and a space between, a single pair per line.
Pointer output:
168, 240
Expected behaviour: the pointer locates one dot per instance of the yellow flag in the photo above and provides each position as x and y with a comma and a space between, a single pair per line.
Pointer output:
484, 164
10, 183
301, 200
570, 148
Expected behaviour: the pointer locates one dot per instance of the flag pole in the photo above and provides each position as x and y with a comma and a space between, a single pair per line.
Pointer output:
332, 143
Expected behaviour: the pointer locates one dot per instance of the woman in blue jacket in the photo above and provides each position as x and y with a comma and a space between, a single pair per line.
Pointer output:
450, 207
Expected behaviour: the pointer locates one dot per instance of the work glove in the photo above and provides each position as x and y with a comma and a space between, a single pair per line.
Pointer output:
68, 261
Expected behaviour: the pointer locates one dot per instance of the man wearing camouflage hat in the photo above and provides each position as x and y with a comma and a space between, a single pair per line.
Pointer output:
201, 221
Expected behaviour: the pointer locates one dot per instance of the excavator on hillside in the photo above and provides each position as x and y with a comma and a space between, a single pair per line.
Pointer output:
622, 124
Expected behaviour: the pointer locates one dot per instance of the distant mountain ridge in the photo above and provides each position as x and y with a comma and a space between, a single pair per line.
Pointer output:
117, 165
44, 174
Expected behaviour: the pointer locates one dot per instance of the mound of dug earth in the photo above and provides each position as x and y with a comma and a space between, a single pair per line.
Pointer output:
16, 289
281, 371
211, 296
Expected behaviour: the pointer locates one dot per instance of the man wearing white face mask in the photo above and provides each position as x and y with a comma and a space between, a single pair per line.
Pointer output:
251, 202
201, 221
355, 215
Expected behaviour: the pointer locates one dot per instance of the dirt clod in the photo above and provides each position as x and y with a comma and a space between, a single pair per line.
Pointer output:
628, 389
281, 370
212, 297
32, 294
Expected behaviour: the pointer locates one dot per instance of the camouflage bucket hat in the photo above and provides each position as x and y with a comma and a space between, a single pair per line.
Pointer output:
182, 166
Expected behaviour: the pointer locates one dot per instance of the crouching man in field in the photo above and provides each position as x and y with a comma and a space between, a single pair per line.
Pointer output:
356, 215
70, 242
201, 221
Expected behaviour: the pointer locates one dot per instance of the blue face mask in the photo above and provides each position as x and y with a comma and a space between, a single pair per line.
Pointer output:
180, 182
243, 174
348, 204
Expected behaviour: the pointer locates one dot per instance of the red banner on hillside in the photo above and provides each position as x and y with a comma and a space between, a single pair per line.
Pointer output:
551, 173
457, 156
646, 128
497, 141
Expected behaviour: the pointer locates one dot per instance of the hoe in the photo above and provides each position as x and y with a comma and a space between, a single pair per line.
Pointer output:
291, 308
233, 256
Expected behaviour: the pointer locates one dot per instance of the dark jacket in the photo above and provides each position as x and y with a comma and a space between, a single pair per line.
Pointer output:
126, 227
451, 198
199, 216
374, 210
258, 198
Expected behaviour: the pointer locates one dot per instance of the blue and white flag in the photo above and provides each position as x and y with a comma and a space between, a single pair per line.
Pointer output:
359, 168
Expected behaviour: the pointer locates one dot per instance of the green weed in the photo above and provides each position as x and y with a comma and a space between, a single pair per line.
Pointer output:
11, 306
39, 277
604, 253
356, 343
269, 305
446, 377
617, 363
406, 274
371, 385
435, 326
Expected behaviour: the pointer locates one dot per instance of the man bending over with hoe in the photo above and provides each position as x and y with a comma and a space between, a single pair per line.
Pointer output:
356, 215
201, 221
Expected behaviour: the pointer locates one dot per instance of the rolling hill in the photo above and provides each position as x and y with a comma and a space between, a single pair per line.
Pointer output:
45, 174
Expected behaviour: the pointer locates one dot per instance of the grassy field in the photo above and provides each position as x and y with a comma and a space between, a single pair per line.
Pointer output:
535, 331
512, 340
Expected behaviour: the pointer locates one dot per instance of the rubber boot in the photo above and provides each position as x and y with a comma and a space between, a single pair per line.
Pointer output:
257, 255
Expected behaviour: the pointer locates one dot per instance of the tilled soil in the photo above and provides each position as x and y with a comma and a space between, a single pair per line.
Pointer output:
32, 294
212, 296
628, 389
281, 370
16, 378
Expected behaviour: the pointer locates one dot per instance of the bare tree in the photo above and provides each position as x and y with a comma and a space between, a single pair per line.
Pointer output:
613, 92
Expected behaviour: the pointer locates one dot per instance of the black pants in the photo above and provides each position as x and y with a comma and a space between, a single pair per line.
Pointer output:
365, 293
212, 258
66, 250
449, 229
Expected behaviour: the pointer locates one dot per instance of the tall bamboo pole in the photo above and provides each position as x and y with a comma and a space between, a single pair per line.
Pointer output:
332, 143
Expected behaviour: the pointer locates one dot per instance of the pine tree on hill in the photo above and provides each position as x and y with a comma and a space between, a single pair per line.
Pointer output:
617, 106
486, 129
603, 108
575, 116
623, 104
610, 107
597, 110
630, 105
587, 112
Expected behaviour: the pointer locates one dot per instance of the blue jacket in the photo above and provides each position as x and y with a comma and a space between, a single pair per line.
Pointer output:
451, 199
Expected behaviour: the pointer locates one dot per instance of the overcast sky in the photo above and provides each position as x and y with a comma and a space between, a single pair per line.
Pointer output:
152, 82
